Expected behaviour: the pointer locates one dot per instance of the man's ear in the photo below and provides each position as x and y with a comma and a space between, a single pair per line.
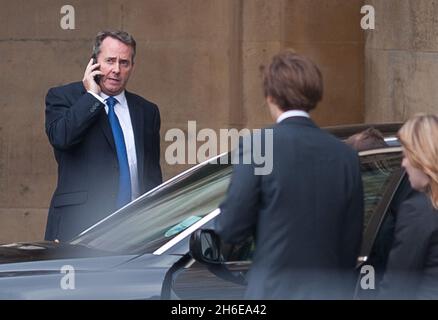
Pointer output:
274, 110
272, 104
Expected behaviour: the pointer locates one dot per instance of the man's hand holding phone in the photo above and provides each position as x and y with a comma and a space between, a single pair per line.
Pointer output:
91, 72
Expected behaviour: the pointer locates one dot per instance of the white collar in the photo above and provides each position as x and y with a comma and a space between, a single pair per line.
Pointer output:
121, 98
292, 113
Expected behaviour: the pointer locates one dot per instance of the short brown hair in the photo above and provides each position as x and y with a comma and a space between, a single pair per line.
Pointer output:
292, 81
370, 138
122, 36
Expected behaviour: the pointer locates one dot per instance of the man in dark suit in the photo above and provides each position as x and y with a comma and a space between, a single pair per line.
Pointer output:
106, 140
307, 214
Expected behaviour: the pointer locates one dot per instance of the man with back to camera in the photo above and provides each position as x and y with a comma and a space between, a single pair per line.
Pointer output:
307, 214
106, 140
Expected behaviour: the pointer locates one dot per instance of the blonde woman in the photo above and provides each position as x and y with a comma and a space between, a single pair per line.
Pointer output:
412, 270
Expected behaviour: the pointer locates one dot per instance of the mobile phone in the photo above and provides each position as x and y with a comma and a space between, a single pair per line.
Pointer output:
96, 77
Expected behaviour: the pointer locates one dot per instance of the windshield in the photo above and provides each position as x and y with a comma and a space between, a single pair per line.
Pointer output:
149, 223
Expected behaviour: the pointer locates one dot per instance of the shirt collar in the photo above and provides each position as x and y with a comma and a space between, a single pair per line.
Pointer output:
292, 113
121, 98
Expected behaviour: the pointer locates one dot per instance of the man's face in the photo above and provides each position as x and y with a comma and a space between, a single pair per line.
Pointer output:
115, 60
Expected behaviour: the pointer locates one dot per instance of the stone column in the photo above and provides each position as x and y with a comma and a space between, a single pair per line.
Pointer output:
401, 60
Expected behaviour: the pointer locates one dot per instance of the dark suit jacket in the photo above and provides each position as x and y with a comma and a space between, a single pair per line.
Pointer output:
412, 269
81, 136
307, 215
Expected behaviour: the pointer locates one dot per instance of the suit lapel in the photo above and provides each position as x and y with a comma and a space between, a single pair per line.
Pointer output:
104, 123
106, 128
136, 114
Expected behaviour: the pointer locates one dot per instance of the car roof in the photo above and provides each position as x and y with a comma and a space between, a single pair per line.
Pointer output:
388, 130
344, 131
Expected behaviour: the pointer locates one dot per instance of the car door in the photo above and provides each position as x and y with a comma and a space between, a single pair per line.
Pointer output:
382, 177
380, 221
225, 280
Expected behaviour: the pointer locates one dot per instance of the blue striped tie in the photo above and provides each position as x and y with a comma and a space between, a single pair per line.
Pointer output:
124, 195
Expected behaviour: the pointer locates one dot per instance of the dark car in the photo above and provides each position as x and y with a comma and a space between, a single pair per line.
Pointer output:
157, 247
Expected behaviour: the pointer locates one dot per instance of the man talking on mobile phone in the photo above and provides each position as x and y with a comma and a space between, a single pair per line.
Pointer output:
106, 140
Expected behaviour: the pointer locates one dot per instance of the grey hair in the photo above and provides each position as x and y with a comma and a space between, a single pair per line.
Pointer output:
122, 36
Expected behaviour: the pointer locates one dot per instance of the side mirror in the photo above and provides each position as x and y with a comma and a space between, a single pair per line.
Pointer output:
205, 246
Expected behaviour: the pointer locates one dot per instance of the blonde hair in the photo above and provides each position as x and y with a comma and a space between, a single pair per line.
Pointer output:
419, 137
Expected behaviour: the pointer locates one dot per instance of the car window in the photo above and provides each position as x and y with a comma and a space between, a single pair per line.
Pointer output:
377, 169
153, 222
147, 225
376, 172
385, 231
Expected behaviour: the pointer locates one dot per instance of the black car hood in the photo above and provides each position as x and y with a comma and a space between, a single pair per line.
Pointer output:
46, 250
25, 259
35, 271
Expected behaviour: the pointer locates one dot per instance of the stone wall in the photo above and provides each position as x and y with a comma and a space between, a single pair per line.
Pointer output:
401, 60
197, 59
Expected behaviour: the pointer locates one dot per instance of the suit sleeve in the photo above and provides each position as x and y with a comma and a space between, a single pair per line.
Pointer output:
66, 123
408, 252
239, 211
156, 168
353, 221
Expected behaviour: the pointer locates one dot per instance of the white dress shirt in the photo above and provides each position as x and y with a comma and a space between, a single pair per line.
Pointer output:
292, 113
122, 111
